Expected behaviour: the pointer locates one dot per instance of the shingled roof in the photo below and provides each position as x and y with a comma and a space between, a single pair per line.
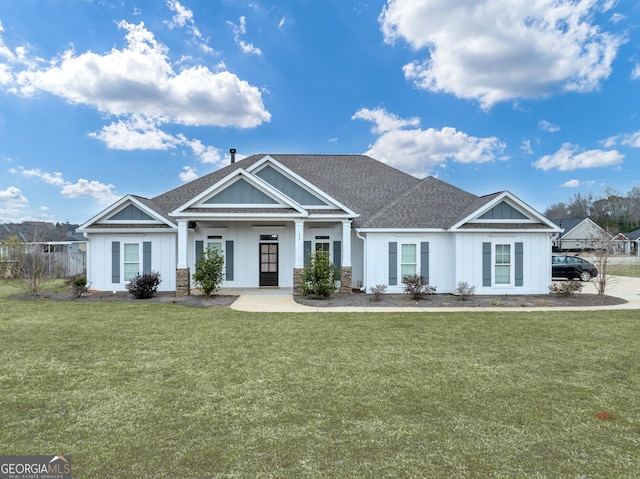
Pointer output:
382, 196
359, 182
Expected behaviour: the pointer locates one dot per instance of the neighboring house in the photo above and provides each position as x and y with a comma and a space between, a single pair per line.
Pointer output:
266, 213
621, 244
63, 249
634, 242
579, 234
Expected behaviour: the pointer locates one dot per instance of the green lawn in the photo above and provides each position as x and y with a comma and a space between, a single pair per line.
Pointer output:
632, 270
165, 391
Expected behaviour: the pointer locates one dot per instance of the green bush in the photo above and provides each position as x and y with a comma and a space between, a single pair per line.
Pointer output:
320, 276
417, 286
144, 286
78, 284
209, 271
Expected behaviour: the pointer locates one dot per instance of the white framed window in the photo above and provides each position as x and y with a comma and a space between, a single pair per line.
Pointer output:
131, 260
408, 259
322, 243
502, 264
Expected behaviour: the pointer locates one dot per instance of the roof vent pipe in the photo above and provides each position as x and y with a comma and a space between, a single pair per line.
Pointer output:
232, 151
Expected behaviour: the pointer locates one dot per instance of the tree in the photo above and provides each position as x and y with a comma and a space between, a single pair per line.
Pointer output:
320, 276
602, 252
209, 271
29, 262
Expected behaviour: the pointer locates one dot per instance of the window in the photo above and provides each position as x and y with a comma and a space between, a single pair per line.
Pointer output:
408, 259
322, 243
503, 264
215, 243
131, 260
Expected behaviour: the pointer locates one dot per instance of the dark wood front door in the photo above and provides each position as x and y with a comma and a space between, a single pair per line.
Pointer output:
268, 264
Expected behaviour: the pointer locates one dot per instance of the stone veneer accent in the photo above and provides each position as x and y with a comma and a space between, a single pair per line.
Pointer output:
297, 281
345, 280
183, 282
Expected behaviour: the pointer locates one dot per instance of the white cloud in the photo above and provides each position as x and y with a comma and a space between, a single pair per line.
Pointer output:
188, 174
183, 15
418, 151
238, 32
12, 194
89, 189
548, 126
141, 133
50, 178
635, 73
571, 184
526, 146
567, 158
498, 50
139, 80
626, 139
138, 133
81, 189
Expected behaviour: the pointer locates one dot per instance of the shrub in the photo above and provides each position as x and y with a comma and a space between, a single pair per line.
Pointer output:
320, 276
209, 271
144, 286
417, 286
566, 288
464, 290
378, 291
78, 284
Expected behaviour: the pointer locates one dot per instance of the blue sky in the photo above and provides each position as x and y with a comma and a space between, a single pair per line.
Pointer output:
101, 98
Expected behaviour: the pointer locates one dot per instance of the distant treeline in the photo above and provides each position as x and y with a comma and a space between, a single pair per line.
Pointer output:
612, 211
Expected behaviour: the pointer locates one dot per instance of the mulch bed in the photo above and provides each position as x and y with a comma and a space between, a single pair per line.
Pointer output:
359, 299
196, 300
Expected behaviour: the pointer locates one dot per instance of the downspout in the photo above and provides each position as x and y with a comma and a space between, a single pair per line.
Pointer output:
364, 260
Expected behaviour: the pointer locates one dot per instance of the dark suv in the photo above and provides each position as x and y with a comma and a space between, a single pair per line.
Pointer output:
572, 267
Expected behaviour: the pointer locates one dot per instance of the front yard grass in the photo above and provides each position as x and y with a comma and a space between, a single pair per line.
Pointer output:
165, 391
632, 270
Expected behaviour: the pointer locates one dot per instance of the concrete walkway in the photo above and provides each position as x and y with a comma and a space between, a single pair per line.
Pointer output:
281, 301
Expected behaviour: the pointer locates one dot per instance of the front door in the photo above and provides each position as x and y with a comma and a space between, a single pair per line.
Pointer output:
268, 264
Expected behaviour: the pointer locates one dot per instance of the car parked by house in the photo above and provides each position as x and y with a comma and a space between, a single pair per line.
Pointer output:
572, 267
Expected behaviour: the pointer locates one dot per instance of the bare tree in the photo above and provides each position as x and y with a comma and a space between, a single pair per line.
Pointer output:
29, 262
603, 250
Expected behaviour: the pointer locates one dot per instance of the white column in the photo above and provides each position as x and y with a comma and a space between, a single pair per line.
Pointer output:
346, 242
299, 244
182, 243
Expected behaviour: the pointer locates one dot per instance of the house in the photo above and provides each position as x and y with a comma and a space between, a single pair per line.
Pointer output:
634, 242
579, 234
63, 250
266, 213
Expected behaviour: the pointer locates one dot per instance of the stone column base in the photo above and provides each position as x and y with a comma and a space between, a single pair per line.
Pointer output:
345, 279
297, 281
183, 282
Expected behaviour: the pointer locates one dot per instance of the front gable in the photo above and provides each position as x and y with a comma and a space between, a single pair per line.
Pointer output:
240, 193
504, 211
266, 188
296, 187
128, 213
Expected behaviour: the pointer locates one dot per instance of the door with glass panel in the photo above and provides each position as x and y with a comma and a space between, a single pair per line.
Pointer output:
268, 264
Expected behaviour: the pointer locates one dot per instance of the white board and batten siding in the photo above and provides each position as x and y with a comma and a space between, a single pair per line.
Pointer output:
455, 257
162, 259
535, 262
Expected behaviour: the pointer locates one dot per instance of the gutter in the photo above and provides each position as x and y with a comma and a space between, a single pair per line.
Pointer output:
364, 260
